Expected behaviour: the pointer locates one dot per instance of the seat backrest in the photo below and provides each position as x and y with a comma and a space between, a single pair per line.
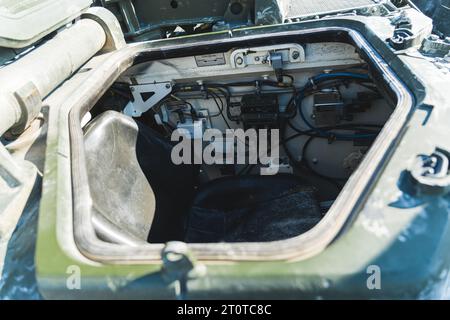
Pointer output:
123, 200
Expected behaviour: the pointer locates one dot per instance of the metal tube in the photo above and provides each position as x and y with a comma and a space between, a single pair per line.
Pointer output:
47, 67
9, 113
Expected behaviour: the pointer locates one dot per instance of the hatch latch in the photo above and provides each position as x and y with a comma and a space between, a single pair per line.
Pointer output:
179, 264
276, 61
429, 175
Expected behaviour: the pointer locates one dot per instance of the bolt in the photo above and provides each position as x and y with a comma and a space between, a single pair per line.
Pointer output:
433, 161
295, 55
239, 61
167, 85
174, 257
430, 161
429, 172
257, 58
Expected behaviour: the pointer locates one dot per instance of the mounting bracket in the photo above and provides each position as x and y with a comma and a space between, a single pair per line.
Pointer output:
146, 96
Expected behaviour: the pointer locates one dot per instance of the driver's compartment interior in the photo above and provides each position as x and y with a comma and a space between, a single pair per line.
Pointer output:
322, 97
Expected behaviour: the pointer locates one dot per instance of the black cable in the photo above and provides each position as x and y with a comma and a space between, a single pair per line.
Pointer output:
290, 77
227, 94
312, 135
309, 167
226, 91
324, 79
300, 164
214, 96
191, 107
354, 126
318, 88
220, 108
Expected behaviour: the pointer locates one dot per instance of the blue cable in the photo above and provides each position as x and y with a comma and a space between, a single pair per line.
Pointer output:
350, 75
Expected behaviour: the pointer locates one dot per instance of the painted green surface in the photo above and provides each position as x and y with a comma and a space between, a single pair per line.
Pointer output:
407, 238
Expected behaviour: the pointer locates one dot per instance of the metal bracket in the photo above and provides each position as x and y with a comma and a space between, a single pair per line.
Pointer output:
434, 46
288, 53
403, 37
30, 102
146, 96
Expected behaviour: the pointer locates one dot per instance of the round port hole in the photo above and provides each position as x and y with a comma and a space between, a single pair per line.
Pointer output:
236, 8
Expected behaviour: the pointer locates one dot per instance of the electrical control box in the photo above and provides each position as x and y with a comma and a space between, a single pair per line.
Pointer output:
259, 110
328, 107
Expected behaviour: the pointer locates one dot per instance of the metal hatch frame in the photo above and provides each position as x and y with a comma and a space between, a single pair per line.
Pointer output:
298, 248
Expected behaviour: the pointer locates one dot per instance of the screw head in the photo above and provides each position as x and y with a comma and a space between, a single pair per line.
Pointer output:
295, 55
239, 61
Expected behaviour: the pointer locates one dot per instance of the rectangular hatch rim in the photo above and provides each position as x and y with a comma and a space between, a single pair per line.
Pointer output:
297, 248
